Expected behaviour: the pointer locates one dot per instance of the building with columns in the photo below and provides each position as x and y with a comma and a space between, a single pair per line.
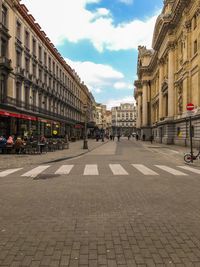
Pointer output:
169, 76
123, 119
40, 93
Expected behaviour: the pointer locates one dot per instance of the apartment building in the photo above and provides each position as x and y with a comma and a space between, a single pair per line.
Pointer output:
40, 94
123, 119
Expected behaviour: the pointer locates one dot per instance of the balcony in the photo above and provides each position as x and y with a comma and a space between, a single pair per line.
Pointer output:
5, 64
19, 71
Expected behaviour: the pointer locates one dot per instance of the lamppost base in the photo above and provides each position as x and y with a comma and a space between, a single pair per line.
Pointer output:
85, 144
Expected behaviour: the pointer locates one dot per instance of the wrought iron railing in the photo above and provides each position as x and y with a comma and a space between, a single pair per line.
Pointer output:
33, 108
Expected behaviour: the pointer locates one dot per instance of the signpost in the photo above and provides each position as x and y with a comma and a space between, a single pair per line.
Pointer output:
190, 108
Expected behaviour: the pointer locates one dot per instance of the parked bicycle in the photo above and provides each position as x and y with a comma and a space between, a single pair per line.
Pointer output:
188, 157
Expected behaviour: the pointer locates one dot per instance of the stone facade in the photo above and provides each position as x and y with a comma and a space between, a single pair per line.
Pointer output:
169, 75
36, 84
123, 119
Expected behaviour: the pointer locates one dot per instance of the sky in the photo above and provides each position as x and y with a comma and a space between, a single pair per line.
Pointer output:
99, 39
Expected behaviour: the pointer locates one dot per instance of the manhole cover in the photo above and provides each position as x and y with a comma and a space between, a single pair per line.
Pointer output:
46, 176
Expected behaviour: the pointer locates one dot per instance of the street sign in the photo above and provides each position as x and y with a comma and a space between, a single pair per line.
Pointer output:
190, 106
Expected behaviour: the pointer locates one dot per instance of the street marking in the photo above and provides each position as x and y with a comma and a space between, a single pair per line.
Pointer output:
91, 169
189, 169
64, 169
117, 169
171, 170
9, 171
143, 169
34, 172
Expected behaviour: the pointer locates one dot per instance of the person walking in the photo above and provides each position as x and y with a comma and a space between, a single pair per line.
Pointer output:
118, 137
151, 139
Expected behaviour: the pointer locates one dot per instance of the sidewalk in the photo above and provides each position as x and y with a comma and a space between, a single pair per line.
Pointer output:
179, 151
75, 149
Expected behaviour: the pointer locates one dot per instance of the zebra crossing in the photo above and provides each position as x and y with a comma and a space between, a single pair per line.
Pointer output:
95, 170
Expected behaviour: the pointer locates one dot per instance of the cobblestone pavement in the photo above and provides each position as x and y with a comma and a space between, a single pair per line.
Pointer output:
75, 149
102, 220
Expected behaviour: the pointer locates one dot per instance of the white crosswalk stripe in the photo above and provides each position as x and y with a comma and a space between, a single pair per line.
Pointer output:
187, 168
91, 169
144, 170
34, 172
64, 169
9, 171
117, 169
171, 170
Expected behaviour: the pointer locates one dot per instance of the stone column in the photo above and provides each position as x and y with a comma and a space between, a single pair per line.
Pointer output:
139, 109
171, 70
144, 103
161, 78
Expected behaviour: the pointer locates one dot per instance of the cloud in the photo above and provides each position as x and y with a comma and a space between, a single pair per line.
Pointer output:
122, 86
72, 21
127, 2
96, 76
116, 102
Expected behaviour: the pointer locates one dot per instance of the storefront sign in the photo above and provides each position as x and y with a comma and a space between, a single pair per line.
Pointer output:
78, 126
16, 115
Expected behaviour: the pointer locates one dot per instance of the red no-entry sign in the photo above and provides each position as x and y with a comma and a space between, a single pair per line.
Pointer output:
190, 106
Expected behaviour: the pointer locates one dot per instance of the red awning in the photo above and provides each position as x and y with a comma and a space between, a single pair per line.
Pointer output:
16, 115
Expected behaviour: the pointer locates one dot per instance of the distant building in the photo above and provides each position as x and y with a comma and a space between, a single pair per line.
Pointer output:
123, 119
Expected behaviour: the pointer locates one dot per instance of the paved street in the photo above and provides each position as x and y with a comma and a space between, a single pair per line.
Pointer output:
123, 203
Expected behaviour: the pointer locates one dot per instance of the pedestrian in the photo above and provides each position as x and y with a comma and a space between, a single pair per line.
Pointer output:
129, 137
151, 139
110, 136
137, 137
113, 137
118, 137
19, 145
10, 140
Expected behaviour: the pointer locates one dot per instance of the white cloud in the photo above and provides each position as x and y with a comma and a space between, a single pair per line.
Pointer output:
122, 86
127, 2
71, 20
96, 76
116, 102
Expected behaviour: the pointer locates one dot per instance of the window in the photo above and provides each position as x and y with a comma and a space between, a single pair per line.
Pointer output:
49, 63
34, 46
40, 53
3, 48
18, 92
45, 58
195, 47
27, 37
18, 30
2, 88
40, 74
195, 22
27, 64
34, 70
4, 15
18, 58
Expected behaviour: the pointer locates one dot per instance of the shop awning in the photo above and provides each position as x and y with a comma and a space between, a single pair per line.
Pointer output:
17, 115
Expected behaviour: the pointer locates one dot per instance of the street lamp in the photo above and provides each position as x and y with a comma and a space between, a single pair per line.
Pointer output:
85, 142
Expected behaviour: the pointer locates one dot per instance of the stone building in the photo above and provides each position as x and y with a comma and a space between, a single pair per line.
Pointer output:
169, 75
39, 92
123, 119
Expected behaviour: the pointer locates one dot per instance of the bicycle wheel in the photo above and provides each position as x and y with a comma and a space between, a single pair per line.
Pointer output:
187, 158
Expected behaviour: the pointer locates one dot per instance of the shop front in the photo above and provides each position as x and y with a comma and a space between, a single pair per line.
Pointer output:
16, 124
